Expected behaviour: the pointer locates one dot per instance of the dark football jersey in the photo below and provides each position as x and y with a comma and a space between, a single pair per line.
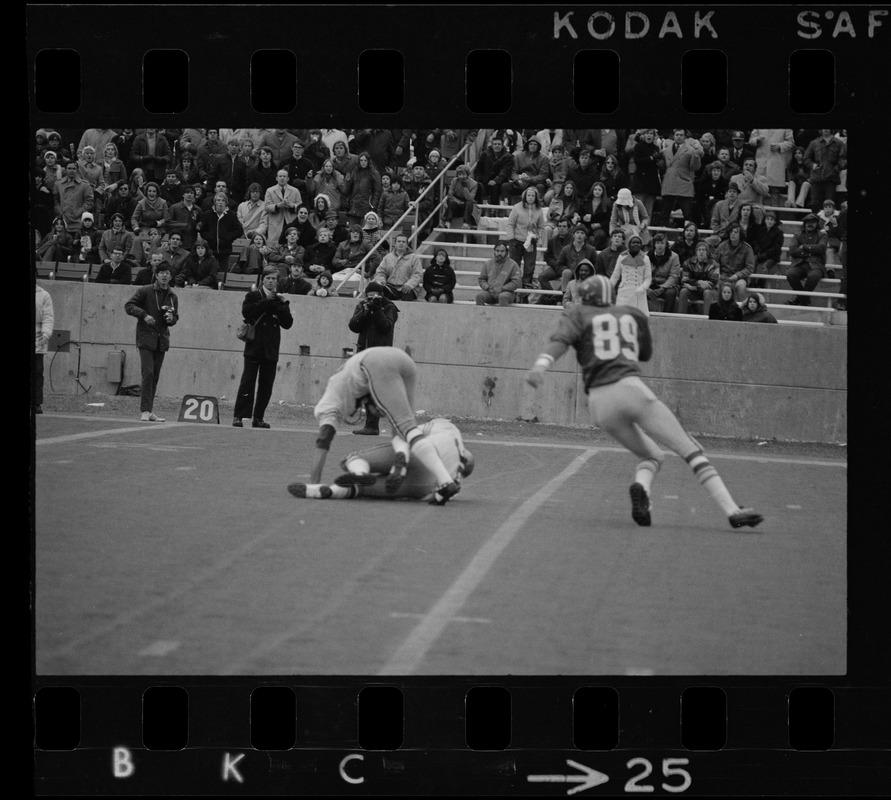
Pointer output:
609, 341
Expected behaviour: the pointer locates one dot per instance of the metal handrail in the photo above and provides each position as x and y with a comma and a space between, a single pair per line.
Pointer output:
413, 206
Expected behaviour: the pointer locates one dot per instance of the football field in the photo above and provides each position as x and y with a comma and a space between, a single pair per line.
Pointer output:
175, 549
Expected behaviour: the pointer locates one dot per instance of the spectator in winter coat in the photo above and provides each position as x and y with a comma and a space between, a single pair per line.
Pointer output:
461, 199
364, 188
321, 212
151, 153
768, 246
666, 267
725, 212
57, 245
116, 235
755, 310
525, 228
808, 257
328, 182
439, 278
682, 156
300, 170
725, 307
700, 274
116, 269
73, 196
825, 157
584, 269
597, 215
773, 151
499, 278
492, 169
281, 203
605, 263
401, 272
342, 159
530, 170
200, 270
378, 144
350, 253
711, 190
736, 260
296, 282
685, 247
570, 257
316, 150
279, 141
251, 214
630, 215
558, 167
374, 319
219, 228
646, 185
290, 252
394, 201
752, 188
565, 204
319, 256
150, 212
612, 177
264, 172
556, 242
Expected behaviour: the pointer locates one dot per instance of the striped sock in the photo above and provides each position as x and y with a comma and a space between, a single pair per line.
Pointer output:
708, 476
646, 472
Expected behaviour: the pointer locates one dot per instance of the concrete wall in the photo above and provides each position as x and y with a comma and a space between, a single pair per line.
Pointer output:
745, 380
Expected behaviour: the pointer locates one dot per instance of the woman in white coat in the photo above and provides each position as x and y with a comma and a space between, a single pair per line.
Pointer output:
633, 274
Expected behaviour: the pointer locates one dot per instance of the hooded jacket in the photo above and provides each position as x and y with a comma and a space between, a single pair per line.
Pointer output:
760, 314
530, 168
571, 294
666, 271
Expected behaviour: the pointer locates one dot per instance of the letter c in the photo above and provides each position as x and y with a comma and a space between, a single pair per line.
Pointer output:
347, 778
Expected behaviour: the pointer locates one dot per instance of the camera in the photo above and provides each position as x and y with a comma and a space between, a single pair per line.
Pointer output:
167, 312
374, 302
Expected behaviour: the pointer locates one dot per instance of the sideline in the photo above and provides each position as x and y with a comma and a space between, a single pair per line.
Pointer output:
412, 651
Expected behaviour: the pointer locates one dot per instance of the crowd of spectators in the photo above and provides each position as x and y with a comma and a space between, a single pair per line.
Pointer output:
314, 202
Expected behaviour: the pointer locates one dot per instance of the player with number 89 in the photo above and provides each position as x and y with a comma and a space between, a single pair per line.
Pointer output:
610, 341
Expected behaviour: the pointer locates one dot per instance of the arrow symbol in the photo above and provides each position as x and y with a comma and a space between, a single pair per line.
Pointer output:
588, 780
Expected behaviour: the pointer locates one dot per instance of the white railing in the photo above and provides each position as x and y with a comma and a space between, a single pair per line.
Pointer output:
414, 206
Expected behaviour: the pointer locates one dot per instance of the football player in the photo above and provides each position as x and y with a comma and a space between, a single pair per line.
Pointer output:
382, 381
609, 342
367, 471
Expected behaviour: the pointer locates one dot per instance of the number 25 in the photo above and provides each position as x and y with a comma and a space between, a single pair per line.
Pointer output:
670, 766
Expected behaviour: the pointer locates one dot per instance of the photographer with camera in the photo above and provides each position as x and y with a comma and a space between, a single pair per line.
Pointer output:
374, 320
155, 307
269, 311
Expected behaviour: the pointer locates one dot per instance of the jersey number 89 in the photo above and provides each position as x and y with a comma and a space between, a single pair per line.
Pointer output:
613, 336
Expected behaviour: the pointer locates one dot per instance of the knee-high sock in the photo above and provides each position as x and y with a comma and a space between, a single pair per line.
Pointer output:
646, 472
708, 476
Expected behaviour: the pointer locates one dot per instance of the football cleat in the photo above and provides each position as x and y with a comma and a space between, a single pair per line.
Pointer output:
640, 505
318, 491
745, 516
443, 493
397, 474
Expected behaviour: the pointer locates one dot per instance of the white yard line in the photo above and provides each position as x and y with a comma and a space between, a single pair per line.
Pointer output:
412, 651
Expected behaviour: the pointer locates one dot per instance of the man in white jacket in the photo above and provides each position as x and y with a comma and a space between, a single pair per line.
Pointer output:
44, 319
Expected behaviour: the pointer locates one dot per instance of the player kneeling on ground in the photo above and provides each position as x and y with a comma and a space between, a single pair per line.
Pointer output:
609, 341
368, 471
382, 381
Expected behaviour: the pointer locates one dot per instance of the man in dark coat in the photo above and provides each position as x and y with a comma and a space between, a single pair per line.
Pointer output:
156, 309
374, 320
219, 228
270, 312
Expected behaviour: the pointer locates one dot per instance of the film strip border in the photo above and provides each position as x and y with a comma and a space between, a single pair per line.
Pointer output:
462, 737
455, 61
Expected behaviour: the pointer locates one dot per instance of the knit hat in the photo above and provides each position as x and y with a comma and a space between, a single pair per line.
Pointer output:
624, 198
633, 237
86, 215
375, 287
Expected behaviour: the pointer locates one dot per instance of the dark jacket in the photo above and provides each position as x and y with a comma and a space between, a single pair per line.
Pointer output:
809, 248
109, 274
374, 326
726, 310
666, 272
491, 167
439, 279
203, 272
276, 314
291, 285
220, 232
768, 244
760, 314
147, 301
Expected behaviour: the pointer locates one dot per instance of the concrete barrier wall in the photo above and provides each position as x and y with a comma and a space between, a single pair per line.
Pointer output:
725, 379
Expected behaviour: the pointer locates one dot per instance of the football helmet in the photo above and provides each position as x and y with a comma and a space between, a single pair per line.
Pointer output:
596, 291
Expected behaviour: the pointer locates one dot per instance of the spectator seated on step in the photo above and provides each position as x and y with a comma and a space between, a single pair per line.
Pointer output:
570, 256
461, 199
700, 274
808, 257
530, 170
666, 270
736, 260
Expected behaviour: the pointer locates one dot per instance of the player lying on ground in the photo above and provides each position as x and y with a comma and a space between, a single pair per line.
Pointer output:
609, 341
382, 381
368, 471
